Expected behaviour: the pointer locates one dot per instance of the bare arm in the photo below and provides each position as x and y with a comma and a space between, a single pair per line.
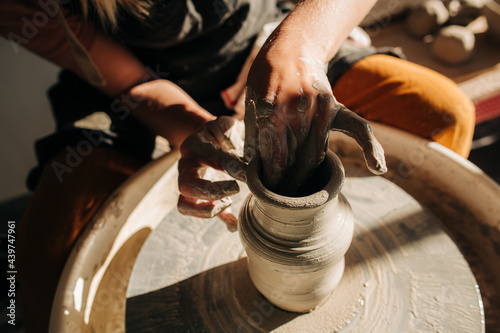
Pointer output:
290, 108
290, 105
316, 28
161, 105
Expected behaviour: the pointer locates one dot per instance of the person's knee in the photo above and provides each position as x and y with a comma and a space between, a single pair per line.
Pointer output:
454, 113
458, 125
411, 97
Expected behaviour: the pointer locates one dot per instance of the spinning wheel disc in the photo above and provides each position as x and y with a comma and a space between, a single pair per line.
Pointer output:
398, 245
403, 274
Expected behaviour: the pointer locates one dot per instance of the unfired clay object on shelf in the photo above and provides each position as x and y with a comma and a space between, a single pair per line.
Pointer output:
453, 44
492, 12
141, 263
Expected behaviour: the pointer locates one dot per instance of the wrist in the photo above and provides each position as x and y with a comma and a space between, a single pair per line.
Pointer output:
306, 32
166, 110
316, 29
293, 43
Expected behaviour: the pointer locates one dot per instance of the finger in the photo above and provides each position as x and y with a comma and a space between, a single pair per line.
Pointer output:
273, 138
316, 143
322, 123
297, 116
202, 148
251, 130
228, 133
201, 208
191, 184
353, 125
229, 219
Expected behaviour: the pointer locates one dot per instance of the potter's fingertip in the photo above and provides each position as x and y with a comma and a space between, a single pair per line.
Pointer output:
232, 227
243, 177
220, 205
384, 169
230, 220
377, 168
232, 189
380, 170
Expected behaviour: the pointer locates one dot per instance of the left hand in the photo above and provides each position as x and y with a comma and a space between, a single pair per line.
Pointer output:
204, 192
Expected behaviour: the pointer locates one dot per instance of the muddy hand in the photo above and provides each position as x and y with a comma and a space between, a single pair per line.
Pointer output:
288, 109
292, 135
359, 128
288, 119
204, 187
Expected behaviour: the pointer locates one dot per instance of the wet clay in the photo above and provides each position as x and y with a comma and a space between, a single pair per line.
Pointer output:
302, 239
270, 133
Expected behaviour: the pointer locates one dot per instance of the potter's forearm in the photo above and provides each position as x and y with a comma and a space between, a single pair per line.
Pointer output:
167, 110
316, 28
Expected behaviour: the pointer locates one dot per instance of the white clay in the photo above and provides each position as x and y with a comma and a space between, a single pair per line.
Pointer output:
467, 11
296, 245
453, 44
426, 18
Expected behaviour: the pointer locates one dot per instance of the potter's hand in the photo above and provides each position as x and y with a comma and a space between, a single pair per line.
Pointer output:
353, 125
205, 192
289, 105
290, 110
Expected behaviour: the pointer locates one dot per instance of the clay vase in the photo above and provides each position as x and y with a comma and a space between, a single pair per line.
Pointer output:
296, 245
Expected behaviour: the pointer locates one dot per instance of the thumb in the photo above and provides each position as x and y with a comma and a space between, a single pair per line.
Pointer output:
359, 128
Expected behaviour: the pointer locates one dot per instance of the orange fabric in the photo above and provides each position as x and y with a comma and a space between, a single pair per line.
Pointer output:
60, 208
411, 97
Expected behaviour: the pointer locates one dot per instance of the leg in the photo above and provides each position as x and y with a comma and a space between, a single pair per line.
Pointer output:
411, 97
58, 211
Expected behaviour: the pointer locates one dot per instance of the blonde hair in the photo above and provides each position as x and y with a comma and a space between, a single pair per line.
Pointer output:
107, 10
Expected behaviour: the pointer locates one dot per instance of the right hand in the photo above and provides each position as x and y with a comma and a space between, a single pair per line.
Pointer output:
290, 110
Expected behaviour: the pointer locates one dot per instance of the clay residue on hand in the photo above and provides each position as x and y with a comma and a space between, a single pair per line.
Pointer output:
358, 128
292, 143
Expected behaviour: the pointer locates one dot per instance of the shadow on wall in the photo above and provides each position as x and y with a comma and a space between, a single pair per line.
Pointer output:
25, 114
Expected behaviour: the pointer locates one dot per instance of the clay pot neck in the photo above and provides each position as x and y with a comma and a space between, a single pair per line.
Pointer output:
288, 218
325, 185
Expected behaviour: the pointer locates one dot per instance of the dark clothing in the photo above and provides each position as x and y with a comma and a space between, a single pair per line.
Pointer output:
199, 45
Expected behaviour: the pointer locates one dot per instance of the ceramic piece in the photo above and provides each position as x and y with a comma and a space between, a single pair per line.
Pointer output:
297, 237
167, 287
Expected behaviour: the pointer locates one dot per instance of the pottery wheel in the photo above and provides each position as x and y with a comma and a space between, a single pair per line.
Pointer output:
403, 274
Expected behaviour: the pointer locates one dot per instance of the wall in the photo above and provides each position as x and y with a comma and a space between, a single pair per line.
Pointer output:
24, 114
